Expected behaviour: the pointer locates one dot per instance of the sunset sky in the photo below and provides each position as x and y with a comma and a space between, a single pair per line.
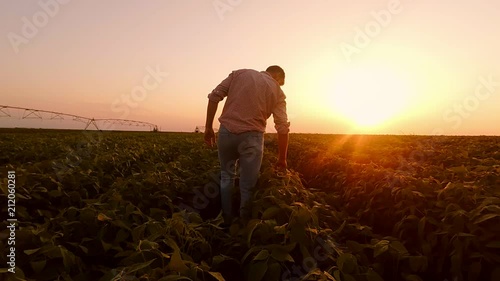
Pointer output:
374, 66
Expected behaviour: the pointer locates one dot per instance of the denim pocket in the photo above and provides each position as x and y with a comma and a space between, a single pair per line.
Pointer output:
223, 131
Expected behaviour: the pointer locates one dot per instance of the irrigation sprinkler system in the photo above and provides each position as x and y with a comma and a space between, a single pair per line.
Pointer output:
30, 113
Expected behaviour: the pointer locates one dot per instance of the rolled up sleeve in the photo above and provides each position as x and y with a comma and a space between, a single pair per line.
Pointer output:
280, 116
220, 92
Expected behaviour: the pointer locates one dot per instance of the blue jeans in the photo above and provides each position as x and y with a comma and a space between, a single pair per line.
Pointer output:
243, 151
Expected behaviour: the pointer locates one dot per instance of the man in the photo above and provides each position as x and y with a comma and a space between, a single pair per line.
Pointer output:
252, 96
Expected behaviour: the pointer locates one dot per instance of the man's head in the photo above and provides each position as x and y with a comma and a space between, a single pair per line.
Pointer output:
277, 73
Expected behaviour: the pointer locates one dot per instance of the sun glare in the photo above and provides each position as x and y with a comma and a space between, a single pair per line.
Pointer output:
370, 96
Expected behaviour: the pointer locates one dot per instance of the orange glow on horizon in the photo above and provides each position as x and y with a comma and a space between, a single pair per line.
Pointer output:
368, 96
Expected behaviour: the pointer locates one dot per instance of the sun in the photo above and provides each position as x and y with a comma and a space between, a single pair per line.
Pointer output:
369, 96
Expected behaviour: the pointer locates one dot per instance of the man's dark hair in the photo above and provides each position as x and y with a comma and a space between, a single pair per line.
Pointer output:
276, 70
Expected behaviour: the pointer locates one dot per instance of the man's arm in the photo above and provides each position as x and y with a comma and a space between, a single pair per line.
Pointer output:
282, 127
282, 150
209, 130
214, 98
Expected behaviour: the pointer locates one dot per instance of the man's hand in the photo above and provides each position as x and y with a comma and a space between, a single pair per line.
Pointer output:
210, 137
280, 165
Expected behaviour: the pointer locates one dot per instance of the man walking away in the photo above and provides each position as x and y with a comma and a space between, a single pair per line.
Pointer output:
252, 96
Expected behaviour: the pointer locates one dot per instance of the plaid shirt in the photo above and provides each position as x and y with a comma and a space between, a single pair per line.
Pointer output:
252, 97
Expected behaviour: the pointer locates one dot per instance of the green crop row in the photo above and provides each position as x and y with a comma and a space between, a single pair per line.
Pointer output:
144, 206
